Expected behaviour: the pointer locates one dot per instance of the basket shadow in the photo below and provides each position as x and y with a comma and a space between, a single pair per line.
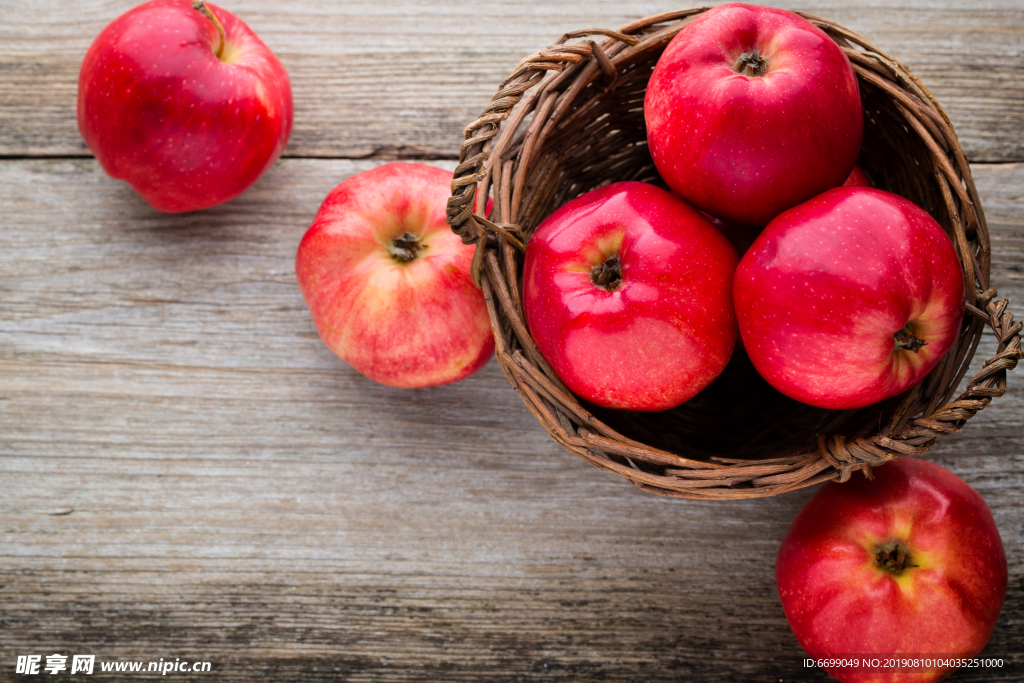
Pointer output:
740, 415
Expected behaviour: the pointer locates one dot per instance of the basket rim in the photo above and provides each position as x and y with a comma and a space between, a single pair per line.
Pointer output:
499, 244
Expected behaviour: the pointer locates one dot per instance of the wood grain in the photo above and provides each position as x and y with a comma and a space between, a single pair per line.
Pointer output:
189, 473
388, 80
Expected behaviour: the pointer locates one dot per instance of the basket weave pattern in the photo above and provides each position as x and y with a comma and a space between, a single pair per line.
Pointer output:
583, 127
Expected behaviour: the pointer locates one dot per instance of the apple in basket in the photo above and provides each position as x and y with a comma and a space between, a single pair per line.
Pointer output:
388, 283
858, 178
752, 110
184, 102
849, 298
626, 292
742, 236
893, 580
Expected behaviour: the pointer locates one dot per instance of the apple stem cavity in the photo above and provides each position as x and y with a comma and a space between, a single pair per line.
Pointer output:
608, 275
751, 64
893, 557
405, 248
905, 339
201, 7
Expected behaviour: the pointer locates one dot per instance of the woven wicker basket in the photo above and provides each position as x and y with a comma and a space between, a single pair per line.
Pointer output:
583, 127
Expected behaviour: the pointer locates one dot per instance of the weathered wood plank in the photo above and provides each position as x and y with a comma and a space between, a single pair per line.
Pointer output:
403, 79
189, 473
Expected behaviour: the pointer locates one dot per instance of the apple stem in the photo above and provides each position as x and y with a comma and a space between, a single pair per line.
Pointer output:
752, 64
201, 7
905, 339
893, 557
608, 275
405, 248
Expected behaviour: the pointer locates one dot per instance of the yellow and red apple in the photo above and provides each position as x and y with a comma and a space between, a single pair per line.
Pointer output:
388, 283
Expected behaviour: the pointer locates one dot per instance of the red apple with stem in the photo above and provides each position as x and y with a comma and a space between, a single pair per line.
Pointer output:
388, 283
626, 292
849, 298
907, 566
184, 102
752, 110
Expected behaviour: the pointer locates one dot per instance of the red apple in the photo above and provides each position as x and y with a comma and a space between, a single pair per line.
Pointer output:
186, 105
858, 178
752, 110
849, 298
742, 236
626, 291
739, 236
907, 566
388, 282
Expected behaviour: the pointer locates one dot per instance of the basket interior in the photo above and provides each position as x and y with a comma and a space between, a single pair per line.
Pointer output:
602, 139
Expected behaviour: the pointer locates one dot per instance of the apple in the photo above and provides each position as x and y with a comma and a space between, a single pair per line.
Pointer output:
849, 298
626, 291
388, 283
909, 565
858, 178
742, 236
739, 236
187, 105
751, 111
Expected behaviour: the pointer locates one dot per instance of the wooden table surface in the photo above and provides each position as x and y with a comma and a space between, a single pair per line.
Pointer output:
189, 473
